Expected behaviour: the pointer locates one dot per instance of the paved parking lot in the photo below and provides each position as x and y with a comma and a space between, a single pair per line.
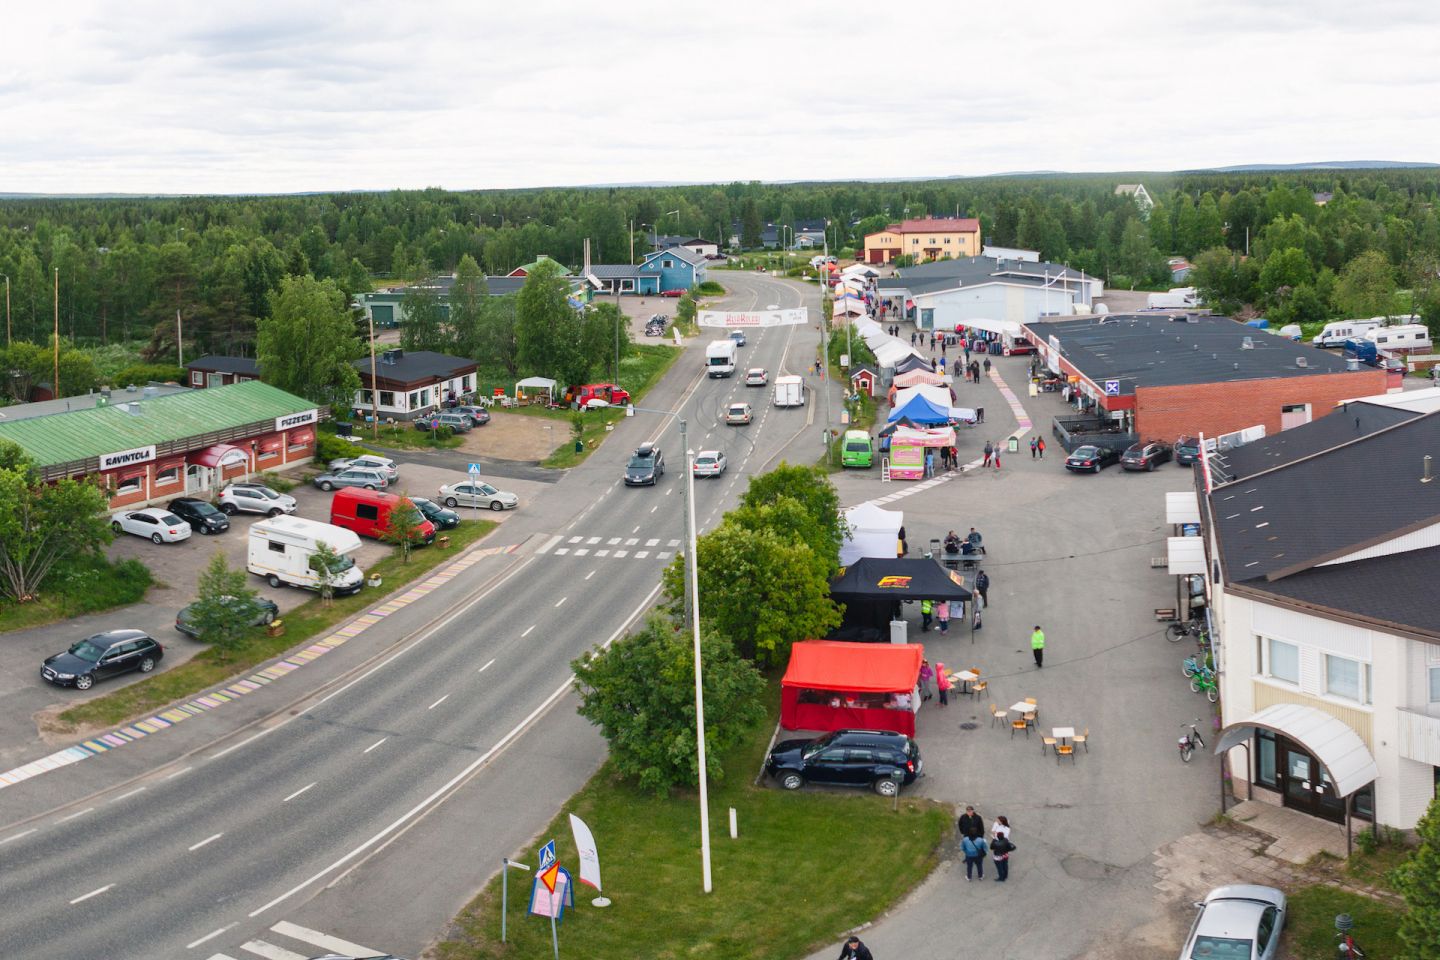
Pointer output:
1071, 553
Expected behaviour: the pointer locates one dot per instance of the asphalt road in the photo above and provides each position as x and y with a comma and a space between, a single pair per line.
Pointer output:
212, 857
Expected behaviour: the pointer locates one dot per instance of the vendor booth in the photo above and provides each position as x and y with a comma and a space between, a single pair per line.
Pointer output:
870, 532
532, 386
873, 589
908, 446
916, 378
913, 362
922, 410
840, 686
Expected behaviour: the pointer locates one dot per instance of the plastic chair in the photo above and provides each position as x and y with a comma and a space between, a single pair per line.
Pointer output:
1047, 742
1083, 738
1065, 750
1021, 724
979, 687
998, 715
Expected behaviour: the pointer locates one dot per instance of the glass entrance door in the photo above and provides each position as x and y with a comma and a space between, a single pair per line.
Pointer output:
1306, 785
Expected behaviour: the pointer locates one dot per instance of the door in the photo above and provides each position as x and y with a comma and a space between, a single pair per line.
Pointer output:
827, 766
1305, 783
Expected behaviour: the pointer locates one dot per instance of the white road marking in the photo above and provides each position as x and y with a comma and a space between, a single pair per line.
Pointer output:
562, 550
602, 553
575, 540
78, 814
221, 956
237, 746
592, 541
582, 551
92, 893
524, 635
613, 541
287, 929
490, 663
641, 554
673, 543
621, 553
632, 541
545, 548
670, 491
375, 744
636, 530
211, 936
663, 555
654, 508
269, 951
19, 835
127, 796
592, 572
202, 843
474, 765
298, 792
561, 600
178, 772
652, 543
438, 702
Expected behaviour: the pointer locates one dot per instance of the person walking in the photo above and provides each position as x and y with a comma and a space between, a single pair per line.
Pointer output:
1040, 445
927, 608
966, 345
942, 683
942, 615
954, 457
982, 587
989, 453
970, 822
1033, 447
974, 847
987, 366
975, 370
912, 338
942, 346
1001, 848
1037, 646
927, 678
997, 457
929, 463
942, 361
855, 950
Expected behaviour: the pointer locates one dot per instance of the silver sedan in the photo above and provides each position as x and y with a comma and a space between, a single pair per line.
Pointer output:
354, 477
476, 494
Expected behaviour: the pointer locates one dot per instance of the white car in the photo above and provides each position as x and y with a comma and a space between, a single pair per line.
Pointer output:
476, 494
738, 414
1242, 921
159, 526
367, 462
756, 377
709, 463
255, 498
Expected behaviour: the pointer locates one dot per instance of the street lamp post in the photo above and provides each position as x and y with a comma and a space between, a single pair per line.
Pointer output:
7, 309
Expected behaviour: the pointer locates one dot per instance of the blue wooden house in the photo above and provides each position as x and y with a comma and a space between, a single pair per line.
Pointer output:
675, 267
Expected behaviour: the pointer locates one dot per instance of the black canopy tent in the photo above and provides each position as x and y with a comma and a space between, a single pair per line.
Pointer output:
872, 589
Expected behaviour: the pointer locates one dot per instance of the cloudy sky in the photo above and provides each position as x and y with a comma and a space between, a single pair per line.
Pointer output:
278, 97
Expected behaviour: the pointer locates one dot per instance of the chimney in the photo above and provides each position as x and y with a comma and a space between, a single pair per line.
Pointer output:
1427, 477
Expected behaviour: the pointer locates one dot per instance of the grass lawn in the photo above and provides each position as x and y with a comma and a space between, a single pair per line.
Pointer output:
303, 624
404, 436
780, 890
85, 585
1310, 927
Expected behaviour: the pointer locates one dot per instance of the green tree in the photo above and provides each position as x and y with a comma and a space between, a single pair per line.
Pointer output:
549, 333
225, 607
1283, 271
812, 489
1366, 287
1224, 279
752, 227
423, 328
42, 524
640, 692
469, 303
1303, 304
307, 343
605, 338
327, 565
1418, 880
402, 527
1135, 255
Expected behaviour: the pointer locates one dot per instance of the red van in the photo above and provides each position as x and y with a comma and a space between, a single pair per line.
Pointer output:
367, 512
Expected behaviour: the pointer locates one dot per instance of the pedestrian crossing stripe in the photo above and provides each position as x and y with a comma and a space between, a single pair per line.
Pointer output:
257, 947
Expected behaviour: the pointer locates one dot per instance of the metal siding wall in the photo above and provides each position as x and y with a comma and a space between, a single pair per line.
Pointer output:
1358, 720
1418, 540
1300, 628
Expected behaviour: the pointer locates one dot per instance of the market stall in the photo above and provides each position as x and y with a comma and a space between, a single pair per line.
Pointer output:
832, 685
870, 532
873, 589
908, 446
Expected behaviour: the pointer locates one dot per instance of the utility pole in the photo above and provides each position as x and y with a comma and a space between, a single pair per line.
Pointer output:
7, 309
691, 567
374, 387
824, 373
55, 384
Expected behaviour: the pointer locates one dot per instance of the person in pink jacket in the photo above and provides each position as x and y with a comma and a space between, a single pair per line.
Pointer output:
942, 682
927, 677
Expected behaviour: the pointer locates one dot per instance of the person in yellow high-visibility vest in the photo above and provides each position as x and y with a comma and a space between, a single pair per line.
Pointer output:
1037, 645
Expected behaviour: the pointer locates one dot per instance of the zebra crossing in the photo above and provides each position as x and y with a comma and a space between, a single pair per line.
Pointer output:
285, 931
610, 548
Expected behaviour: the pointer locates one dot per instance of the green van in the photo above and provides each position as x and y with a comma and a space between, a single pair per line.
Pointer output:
856, 451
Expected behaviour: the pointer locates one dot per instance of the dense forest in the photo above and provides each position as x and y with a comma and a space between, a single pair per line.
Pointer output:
1260, 241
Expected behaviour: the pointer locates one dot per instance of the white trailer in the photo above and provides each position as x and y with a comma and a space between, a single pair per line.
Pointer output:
1179, 298
280, 549
789, 392
720, 358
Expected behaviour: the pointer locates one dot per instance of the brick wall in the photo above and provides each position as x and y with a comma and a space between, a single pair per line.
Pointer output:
1164, 413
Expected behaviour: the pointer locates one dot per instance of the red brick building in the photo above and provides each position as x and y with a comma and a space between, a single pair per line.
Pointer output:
1163, 377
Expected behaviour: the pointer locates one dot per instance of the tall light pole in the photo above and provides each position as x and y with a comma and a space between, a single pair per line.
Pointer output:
55, 395
374, 386
7, 309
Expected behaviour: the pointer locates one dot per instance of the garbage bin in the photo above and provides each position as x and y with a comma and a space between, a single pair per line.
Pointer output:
344, 428
579, 446
899, 630
1013, 446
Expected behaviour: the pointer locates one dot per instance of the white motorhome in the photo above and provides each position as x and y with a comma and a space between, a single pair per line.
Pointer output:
1178, 298
281, 548
1402, 338
789, 392
1336, 332
720, 358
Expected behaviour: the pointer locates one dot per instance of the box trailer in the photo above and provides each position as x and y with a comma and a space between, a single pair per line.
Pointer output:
789, 392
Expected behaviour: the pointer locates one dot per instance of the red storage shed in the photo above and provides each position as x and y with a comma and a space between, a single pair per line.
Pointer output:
832, 685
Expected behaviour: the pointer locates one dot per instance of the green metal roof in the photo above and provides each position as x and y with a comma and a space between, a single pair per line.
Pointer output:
81, 434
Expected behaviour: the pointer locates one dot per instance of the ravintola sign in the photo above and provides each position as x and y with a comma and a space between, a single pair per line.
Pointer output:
124, 458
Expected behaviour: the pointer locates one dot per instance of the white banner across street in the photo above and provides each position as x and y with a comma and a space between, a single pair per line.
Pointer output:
754, 318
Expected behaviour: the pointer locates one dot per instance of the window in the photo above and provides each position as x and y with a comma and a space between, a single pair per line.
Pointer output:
387, 398
1282, 661
666, 264
465, 384
947, 240
414, 399
1435, 684
275, 547
367, 511
1346, 678
365, 398
167, 475
1265, 758
269, 453
196, 378
128, 485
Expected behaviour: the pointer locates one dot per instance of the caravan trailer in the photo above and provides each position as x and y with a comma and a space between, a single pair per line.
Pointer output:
1403, 338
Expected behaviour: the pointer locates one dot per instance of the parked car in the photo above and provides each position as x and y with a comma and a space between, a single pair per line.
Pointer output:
442, 518
880, 759
200, 514
479, 416
756, 377
255, 498
103, 655
709, 463
1241, 921
738, 414
1146, 456
455, 421
370, 512
153, 523
1187, 451
673, 293
262, 611
646, 466
477, 494
354, 477
369, 461
738, 336
1091, 458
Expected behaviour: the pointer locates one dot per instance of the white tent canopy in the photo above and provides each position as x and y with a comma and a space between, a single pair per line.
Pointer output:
873, 533
891, 351
536, 383
866, 326
938, 395
1338, 748
1008, 328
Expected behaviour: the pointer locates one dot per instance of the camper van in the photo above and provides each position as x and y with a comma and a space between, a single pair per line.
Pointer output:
1178, 298
857, 450
789, 392
1335, 333
720, 358
281, 547
1403, 338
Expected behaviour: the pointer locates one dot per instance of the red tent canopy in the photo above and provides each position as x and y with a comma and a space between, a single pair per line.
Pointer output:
862, 678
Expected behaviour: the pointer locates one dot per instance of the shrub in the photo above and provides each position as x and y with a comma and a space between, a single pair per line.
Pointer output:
330, 447
143, 373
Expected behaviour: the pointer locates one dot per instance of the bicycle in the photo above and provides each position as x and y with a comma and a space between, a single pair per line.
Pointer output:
1190, 741
1185, 628
1193, 665
1346, 948
1204, 682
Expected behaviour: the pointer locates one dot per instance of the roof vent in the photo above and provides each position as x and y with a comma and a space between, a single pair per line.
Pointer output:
132, 408
1301, 362
1247, 343
1427, 477
1237, 366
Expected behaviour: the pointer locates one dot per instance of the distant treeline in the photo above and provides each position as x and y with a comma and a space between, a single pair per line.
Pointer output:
126, 266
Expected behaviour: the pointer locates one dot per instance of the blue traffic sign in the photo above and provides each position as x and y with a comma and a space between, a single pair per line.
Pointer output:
474, 469
1112, 388
547, 856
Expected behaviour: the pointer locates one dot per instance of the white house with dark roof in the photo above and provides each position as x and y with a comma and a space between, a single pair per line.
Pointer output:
943, 293
412, 382
1323, 620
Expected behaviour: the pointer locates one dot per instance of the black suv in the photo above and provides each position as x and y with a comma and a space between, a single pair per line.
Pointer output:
202, 515
879, 759
646, 467
103, 655
1145, 456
